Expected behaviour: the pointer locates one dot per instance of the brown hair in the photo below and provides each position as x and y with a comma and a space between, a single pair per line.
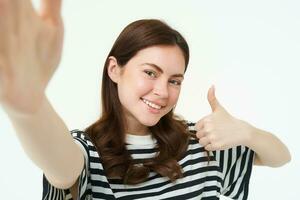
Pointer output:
108, 133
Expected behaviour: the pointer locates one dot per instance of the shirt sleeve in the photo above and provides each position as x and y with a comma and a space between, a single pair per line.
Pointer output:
50, 192
236, 166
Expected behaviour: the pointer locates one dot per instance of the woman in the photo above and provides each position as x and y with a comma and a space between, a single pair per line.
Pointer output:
138, 149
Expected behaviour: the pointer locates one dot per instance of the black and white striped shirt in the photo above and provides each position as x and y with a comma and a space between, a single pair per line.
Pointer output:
227, 173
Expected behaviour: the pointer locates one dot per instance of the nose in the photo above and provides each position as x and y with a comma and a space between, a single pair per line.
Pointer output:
161, 89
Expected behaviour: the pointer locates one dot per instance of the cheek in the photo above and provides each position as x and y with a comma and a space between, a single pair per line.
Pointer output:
174, 95
142, 86
126, 85
133, 89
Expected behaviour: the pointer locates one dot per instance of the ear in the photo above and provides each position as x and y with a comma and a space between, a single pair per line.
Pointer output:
113, 69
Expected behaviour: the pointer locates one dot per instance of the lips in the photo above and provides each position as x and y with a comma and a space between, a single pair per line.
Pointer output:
154, 103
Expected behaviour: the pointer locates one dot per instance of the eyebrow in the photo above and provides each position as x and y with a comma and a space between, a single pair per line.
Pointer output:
162, 71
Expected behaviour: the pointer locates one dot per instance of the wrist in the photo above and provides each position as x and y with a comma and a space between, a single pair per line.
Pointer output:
22, 109
248, 134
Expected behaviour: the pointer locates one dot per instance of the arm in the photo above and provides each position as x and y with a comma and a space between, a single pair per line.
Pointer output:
27, 63
49, 144
269, 150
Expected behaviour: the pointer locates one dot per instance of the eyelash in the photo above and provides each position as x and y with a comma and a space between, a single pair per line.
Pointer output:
151, 72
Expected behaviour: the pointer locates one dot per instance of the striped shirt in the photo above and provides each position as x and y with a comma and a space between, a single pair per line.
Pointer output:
227, 173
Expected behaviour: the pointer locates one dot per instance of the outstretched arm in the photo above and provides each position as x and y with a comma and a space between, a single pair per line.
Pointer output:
30, 50
220, 130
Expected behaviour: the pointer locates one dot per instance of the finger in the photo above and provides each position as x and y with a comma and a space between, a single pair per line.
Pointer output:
211, 97
200, 134
209, 147
204, 141
201, 123
13, 13
27, 9
51, 9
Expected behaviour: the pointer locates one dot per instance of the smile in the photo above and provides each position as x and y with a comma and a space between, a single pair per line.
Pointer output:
152, 105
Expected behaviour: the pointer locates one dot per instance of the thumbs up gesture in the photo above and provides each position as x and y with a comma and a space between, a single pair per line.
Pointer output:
219, 130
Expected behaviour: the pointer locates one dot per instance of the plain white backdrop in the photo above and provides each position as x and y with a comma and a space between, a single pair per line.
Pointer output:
248, 49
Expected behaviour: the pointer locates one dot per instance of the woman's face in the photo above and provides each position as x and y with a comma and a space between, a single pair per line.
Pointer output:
149, 85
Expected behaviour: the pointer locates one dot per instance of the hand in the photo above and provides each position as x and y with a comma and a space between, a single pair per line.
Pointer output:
30, 51
220, 130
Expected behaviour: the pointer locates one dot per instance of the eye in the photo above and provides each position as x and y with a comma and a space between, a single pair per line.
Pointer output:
175, 82
150, 73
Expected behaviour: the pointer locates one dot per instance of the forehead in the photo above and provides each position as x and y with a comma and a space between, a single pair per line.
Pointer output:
169, 58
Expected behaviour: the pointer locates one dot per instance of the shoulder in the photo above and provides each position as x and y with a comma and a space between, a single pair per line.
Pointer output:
80, 135
82, 138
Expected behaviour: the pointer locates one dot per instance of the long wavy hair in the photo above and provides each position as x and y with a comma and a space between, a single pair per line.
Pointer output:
108, 132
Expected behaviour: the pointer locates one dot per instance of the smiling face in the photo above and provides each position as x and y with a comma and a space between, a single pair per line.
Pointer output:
148, 85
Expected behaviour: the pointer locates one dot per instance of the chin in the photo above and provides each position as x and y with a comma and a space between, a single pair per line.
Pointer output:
150, 122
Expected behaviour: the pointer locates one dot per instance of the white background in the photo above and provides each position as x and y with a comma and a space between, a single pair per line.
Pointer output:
248, 49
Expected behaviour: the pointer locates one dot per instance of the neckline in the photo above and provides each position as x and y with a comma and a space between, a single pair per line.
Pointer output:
140, 139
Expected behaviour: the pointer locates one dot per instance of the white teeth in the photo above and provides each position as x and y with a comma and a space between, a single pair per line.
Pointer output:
152, 104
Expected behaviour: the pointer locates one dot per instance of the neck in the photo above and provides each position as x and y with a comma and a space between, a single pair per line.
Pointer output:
137, 129
138, 133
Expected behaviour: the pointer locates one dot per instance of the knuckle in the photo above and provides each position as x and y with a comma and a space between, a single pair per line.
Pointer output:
200, 142
209, 147
198, 125
199, 134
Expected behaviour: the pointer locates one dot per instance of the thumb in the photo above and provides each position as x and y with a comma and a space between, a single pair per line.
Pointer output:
211, 97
